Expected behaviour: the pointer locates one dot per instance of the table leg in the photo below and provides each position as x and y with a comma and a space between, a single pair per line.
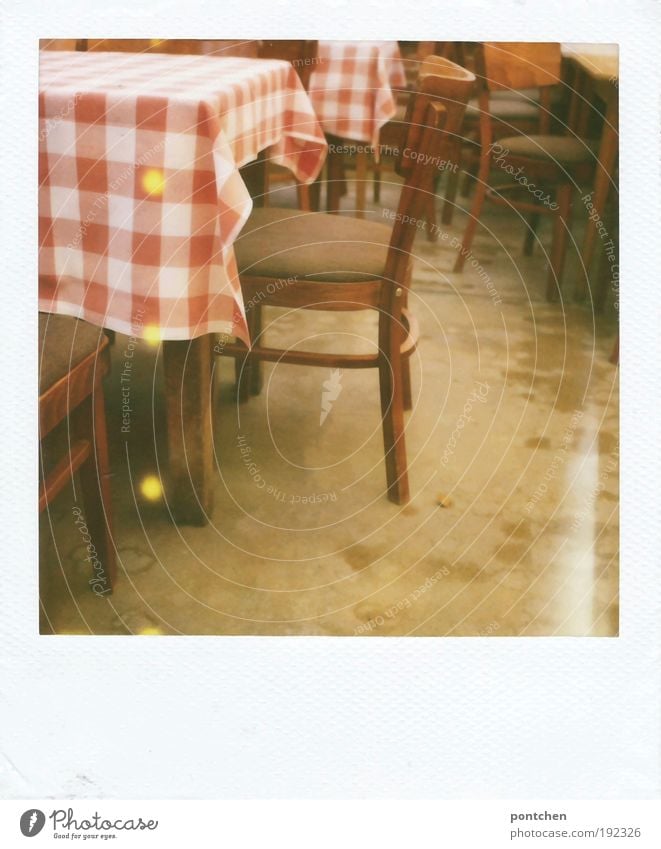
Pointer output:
602, 182
361, 184
334, 174
254, 176
188, 395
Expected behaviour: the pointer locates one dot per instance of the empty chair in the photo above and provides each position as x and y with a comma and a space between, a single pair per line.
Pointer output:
550, 165
298, 260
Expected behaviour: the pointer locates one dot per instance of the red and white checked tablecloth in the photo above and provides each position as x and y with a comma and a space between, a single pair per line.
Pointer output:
351, 87
140, 195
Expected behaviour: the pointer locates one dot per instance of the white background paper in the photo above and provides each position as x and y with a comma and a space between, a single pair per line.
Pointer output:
334, 717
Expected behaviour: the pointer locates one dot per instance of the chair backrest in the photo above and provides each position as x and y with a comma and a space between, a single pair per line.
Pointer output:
301, 53
434, 117
512, 65
440, 81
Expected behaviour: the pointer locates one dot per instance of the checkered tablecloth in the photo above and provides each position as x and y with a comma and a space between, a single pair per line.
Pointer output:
351, 87
140, 196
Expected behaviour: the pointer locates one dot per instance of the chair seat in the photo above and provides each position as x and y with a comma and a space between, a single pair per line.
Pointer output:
285, 243
528, 94
63, 343
565, 150
504, 108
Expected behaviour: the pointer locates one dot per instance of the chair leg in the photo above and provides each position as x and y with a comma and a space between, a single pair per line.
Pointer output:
241, 378
335, 179
315, 194
392, 415
377, 182
407, 395
451, 187
392, 405
531, 233
469, 175
361, 184
615, 355
450, 198
475, 212
247, 370
559, 244
433, 230
303, 196
94, 475
256, 370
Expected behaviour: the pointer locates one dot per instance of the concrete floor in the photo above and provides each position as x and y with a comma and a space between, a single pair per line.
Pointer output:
526, 545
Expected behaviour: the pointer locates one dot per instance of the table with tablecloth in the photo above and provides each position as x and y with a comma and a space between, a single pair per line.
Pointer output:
141, 199
352, 89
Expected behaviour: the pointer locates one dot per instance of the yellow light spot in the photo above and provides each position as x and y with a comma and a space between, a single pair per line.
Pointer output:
152, 335
153, 181
151, 631
151, 488
154, 42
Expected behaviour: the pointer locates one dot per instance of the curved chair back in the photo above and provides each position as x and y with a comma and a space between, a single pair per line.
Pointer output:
434, 117
512, 65
442, 82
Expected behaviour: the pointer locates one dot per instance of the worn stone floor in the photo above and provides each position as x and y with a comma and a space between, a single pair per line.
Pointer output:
515, 426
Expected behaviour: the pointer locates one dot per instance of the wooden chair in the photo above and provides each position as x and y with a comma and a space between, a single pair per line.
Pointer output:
73, 360
511, 111
298, 260
393, 133
553, 163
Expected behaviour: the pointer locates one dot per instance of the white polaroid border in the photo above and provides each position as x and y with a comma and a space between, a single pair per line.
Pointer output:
305, 717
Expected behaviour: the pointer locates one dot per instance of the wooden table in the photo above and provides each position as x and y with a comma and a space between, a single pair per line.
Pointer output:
593, 72
140, 201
